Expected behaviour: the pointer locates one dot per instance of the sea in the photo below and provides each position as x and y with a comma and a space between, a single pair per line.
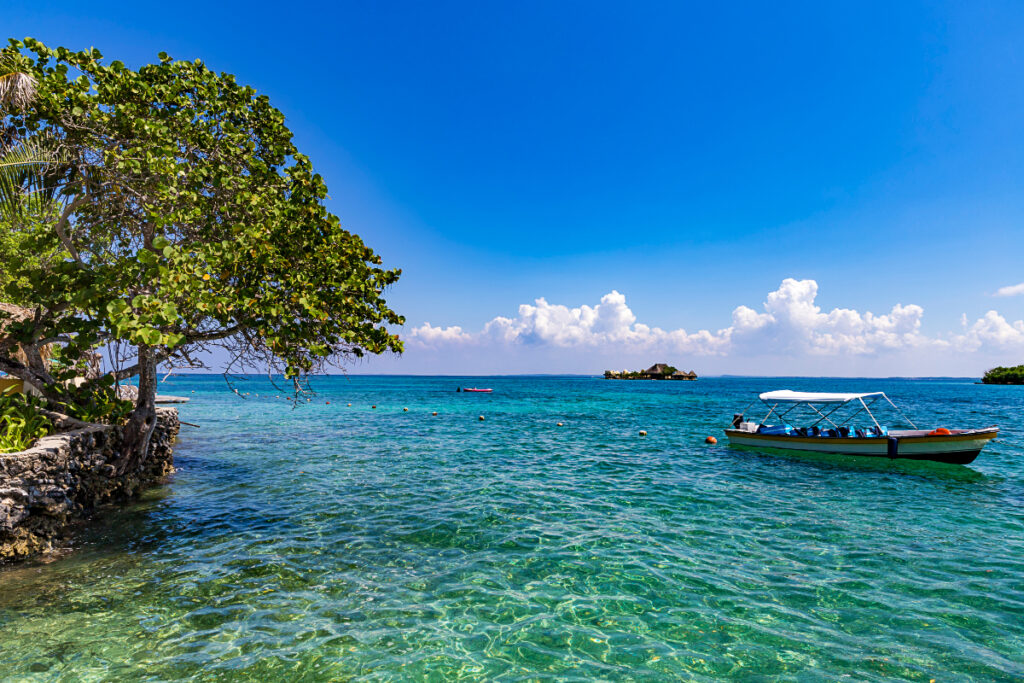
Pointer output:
359, 536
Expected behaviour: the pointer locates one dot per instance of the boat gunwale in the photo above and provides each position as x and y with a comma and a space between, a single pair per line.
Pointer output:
987, 433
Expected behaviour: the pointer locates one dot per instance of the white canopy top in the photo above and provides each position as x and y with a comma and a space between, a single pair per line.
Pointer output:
787, 396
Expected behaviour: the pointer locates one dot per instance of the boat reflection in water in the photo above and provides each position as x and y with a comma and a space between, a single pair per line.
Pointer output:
831, 421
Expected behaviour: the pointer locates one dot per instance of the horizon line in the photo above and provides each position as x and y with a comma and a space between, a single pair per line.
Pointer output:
567, 374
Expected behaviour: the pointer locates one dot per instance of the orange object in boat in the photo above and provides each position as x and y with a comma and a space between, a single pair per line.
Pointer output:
941, 431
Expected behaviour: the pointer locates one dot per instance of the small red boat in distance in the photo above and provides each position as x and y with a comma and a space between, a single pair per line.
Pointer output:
477, 391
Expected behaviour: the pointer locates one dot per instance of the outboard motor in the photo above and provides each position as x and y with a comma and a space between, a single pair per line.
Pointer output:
737, 418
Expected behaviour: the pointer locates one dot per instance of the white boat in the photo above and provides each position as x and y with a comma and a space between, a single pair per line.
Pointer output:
831, 430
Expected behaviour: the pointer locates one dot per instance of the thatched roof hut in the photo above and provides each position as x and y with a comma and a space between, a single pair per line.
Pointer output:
657, 369
679, 374
10, 313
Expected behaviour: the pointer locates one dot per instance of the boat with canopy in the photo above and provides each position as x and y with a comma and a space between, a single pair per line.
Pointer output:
828, 423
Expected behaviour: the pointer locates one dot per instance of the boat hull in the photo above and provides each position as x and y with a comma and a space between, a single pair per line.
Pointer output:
960, 448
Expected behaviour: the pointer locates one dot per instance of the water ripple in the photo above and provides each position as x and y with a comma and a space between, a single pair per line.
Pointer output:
338, 543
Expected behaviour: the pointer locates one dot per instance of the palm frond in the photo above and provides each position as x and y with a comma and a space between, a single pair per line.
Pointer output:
27, 176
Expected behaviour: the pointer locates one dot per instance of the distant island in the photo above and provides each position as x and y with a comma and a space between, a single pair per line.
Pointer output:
656, 371
1001, 375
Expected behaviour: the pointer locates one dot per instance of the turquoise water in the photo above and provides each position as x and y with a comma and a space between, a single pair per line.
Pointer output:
351, 543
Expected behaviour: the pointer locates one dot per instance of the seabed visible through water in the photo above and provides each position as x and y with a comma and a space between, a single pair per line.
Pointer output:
336, 542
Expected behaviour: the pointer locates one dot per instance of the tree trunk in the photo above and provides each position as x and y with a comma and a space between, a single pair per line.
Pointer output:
140, 425
38, 378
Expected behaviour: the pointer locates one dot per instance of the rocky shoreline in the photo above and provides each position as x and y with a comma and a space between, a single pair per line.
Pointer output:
67, 476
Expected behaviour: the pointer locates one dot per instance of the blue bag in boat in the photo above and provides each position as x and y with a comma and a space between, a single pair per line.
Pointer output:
777, 430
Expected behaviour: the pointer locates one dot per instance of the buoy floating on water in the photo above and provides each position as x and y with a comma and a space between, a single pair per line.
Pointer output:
434, 413
373, 406
349, 405
711, 439
643, 432
481, 418
559, 424
405, 410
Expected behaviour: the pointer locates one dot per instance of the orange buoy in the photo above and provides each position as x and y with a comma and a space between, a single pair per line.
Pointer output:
434, 413
327, 402
405, 410
481, 418
559, 424
711, 439
941, 431
373, 406
643, 432
349, 405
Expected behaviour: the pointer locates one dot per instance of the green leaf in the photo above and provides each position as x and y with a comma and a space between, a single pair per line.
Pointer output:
117, 307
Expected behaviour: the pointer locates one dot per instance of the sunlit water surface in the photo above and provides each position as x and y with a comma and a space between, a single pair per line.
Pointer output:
335, 543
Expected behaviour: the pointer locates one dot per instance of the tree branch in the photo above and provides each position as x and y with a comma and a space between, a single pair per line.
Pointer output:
58, 227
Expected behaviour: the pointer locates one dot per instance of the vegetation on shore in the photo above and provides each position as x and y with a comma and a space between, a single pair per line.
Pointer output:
1001, 375
656, 371
634, 374
156, 214
21, 421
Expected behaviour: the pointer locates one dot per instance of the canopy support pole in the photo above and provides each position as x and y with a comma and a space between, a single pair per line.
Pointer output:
900, 412
771, 409
807, 400
870, 414
825, 416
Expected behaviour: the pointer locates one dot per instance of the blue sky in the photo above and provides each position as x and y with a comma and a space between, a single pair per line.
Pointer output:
688, 157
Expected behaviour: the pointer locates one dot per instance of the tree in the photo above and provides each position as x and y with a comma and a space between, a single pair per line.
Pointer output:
189, 220
1004, 375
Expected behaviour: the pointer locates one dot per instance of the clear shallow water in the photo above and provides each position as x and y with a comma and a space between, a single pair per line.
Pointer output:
351, 543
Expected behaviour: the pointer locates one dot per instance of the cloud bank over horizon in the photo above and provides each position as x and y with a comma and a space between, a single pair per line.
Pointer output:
789, 325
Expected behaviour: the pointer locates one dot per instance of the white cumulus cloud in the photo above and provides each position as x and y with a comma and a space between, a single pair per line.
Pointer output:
430, 335
789, 322
1010, 290
544, 324
992, 331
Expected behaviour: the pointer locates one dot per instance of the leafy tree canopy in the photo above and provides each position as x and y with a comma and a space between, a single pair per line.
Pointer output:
185, 218
1001, 375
